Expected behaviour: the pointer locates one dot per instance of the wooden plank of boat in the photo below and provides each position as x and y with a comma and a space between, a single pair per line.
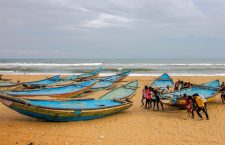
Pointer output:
108, 82
208, 90
73, 110
71, 90
163, 81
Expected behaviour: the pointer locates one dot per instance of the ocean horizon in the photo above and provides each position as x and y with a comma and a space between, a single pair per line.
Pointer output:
139, 67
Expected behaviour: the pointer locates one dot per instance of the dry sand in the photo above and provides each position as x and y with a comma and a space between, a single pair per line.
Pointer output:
136, 126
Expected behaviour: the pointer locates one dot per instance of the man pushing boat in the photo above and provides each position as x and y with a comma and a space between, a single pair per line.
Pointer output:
199, 104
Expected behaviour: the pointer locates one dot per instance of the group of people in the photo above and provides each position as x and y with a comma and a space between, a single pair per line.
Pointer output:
151, 97
196, 103
222, 90
179, 85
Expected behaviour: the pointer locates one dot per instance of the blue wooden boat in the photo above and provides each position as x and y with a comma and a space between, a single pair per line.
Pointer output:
89, 75
63, 81
42, 83
71, 90
73, 110
57, 80
108, 82
163, 81
208, 90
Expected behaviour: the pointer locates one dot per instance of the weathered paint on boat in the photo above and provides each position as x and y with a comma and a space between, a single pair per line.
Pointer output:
163, 81
71, 90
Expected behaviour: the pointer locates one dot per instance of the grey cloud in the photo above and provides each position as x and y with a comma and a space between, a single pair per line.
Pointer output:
94, 28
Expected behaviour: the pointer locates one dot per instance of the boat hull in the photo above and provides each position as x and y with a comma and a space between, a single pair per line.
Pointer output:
74, 109
182, 102
59, 95
68, 95
64, 115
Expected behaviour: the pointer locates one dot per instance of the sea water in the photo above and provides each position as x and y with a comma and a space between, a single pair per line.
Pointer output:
139, 67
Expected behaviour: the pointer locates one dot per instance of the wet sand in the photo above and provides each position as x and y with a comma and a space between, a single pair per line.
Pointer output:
135, 126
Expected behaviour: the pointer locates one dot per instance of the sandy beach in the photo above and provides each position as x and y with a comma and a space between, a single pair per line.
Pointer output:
136, 126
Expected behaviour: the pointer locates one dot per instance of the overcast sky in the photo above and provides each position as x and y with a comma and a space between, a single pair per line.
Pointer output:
112, 28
